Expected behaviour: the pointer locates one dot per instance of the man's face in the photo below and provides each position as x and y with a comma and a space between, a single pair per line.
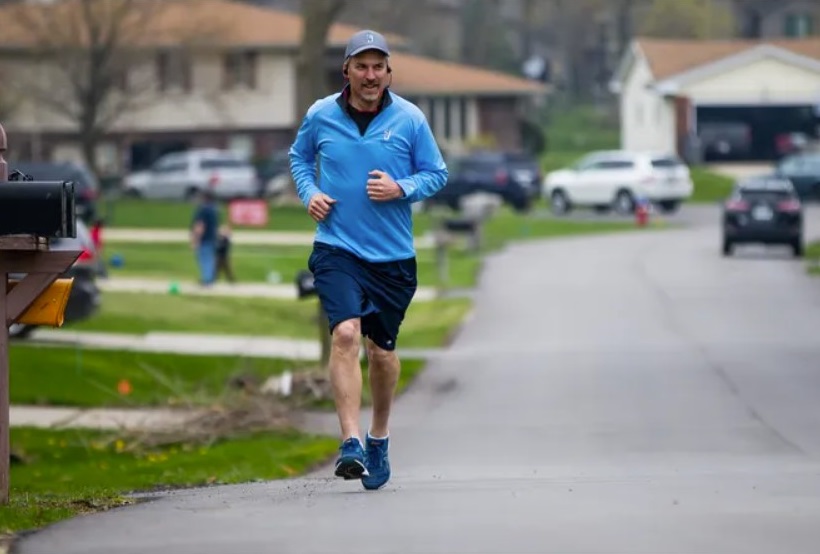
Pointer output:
367, 74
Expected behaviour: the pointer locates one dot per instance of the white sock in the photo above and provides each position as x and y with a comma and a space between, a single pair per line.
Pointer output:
369, 434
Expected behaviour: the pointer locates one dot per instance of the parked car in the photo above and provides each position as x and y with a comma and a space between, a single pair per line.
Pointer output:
763, 210
86, 184
511, 176
617, 179
182, 175
803, 170
84, 298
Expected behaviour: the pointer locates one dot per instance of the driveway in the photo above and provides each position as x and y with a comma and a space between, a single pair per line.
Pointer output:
634, 393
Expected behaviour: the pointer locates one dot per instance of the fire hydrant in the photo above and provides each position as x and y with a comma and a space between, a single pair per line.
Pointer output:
642, 213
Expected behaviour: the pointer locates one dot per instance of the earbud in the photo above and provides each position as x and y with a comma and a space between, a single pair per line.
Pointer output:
389, 69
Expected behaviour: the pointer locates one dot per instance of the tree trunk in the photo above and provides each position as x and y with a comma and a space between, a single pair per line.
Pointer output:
89, 140
311, 84
311, 79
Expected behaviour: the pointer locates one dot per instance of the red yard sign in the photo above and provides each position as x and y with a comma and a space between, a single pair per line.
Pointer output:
248, 213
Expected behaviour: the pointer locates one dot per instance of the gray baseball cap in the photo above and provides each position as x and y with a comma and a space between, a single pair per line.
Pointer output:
366, 40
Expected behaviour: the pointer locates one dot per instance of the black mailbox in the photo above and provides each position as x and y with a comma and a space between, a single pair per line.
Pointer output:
304, 284
42, 208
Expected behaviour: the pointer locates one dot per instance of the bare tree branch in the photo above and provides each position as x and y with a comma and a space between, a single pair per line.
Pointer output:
91, 59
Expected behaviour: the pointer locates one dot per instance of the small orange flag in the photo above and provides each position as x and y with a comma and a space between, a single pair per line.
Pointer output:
124, 387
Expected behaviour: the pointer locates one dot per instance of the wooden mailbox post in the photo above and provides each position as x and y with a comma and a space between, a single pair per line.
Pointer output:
32, 213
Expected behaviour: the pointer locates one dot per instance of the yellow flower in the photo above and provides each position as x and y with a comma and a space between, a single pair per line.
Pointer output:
119, 445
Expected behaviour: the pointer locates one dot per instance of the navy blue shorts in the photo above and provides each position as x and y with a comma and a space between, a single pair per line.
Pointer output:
377, 293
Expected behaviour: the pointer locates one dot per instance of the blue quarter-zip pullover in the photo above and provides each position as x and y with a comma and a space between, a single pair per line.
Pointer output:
398, 141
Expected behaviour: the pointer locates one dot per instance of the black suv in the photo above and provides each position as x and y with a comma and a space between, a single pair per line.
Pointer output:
86, 185
763, 210
514, 177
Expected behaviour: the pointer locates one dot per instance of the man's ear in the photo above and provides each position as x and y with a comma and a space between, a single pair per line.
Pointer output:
344, 69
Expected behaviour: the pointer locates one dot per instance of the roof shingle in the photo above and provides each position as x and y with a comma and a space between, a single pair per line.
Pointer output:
667, 58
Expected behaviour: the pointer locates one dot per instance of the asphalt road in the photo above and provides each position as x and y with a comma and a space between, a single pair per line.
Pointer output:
622, 394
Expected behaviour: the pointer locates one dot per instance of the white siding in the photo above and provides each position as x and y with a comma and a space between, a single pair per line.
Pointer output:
207, 106
270, 105
764, 81
647, 119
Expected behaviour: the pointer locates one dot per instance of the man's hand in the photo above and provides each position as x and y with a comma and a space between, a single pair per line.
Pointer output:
319, 206
382, 188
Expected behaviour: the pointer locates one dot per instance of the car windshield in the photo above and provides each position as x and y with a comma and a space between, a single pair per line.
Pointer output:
666, 162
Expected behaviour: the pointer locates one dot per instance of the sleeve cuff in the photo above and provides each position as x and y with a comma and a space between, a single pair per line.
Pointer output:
408, 187
308, 194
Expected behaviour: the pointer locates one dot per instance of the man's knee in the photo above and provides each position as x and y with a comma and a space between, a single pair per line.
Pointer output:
378, 356
347, 335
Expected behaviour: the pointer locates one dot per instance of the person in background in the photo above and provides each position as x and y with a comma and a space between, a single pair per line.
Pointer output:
223, 253
204, 237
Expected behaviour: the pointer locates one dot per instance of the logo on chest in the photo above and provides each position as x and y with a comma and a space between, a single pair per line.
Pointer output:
387, 134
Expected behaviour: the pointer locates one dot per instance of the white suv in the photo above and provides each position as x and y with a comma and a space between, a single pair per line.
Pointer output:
183, 174
617, 179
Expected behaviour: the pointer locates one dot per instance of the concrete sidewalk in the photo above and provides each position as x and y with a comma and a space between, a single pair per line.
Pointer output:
245, 290
273, 238
199, 344
98, 418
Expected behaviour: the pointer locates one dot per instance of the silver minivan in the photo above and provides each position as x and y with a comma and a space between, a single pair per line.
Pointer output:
182, 175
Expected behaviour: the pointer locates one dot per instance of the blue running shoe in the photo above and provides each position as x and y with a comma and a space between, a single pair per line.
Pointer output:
350, 464
378, 464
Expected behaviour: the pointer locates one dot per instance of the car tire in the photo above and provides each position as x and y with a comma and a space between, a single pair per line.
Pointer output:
669, 206
624, 203
559, 203
727, 247
797, 248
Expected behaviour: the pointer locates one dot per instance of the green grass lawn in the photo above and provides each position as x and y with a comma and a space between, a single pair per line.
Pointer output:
85, 377
65, 473
254, 263
710, 187
169, 214
503, 229
427, 324
813, 257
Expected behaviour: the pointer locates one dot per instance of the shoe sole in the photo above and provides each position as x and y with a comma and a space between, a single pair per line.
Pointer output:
351, 469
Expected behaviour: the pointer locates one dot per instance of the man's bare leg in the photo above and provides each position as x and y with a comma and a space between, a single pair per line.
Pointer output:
346, 375
384, 367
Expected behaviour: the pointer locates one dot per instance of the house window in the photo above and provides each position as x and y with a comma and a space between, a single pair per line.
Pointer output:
798, 25
173, 71
240, 69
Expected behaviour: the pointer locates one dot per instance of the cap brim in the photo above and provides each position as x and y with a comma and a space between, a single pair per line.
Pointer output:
361, 49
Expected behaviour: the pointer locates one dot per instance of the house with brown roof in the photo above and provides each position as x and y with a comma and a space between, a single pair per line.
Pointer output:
234, 86
738, 99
